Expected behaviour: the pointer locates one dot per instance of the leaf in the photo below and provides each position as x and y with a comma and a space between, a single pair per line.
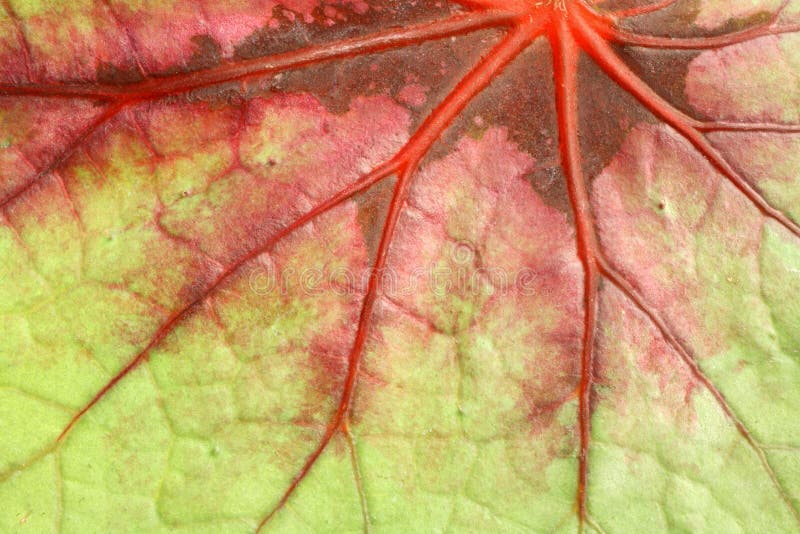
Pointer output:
339, 266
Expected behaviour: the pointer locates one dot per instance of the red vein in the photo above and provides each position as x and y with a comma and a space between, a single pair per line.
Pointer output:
62, 156
565, 70
594, 524
128, 35
627, 289
695, 43
362, 496
566, 50
729, 126
123, 96
622, 36
409, 157
172, 321
690, 128
152, 88
413, 151
642, 10
607, 59
401, 190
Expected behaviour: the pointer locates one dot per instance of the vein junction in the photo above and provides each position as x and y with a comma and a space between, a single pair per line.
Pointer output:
573, 29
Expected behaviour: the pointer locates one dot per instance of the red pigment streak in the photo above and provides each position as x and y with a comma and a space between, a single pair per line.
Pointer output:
180, 83
572, 28
621, 36
409, 157
565, 61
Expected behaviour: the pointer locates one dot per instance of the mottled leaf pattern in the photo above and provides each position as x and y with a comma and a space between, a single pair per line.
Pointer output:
394, 266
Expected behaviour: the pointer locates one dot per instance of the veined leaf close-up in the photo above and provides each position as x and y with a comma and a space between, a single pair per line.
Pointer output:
384, 266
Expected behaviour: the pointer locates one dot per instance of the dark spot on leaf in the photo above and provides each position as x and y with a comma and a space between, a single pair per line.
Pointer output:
108, 73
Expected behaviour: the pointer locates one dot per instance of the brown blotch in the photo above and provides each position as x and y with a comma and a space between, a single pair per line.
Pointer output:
108, 73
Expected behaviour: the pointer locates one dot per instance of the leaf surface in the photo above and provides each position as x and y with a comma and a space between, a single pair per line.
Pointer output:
350, 266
